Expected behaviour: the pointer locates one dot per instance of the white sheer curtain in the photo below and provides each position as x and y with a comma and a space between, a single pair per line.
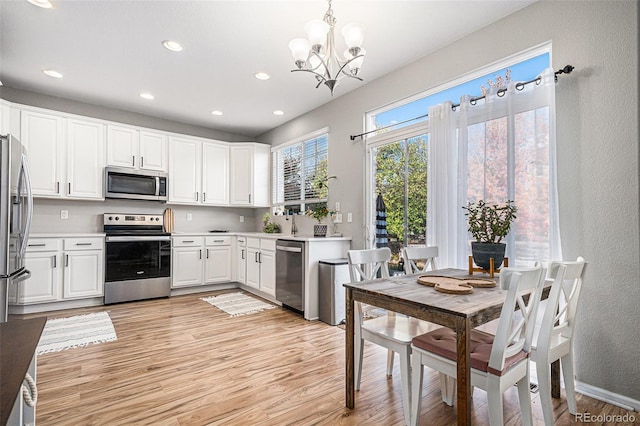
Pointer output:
497, 149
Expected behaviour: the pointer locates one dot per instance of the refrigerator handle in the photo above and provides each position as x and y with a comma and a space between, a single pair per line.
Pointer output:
25, 173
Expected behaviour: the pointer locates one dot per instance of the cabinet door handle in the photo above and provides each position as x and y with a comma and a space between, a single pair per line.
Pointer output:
133, 160
207, 253
249, 198
55, 261
242, 254
57, 187
69, 188
141, 161
200, 251
197, 196
259, 257
255, 258
66, 260
204, 197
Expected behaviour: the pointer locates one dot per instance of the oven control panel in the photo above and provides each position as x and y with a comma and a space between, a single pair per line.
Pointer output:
133, 219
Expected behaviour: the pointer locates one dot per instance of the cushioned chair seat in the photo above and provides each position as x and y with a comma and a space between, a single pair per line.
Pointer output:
443, 342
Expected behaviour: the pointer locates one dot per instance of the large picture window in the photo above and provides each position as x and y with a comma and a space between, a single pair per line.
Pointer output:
300, 173
499, 149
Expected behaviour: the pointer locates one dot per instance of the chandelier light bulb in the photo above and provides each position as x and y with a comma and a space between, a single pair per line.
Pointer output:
317, 31
300, 49
356, 63
353, 35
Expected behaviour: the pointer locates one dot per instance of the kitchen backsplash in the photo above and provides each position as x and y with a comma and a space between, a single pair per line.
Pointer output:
86, 216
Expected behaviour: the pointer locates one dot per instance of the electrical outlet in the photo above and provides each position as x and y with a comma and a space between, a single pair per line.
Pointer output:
241, 219
338, 218
64, 214
349, 217
337, 206
189, 216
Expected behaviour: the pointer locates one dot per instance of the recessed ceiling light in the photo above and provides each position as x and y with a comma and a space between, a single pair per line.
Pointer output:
278, 112
147, 96
262, 76
216, 112
173, 46
45, 4
52, 73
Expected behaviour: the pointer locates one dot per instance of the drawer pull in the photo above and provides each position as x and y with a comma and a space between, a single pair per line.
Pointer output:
37, 245
84, 244
187, 241
218, 241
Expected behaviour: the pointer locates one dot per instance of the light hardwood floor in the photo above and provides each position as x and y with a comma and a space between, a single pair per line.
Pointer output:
181, 361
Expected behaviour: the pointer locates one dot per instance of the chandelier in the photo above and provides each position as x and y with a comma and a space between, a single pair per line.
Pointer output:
317, 53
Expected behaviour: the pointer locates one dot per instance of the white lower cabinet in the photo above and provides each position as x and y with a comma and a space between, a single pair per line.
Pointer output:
241, 259
61, 269
261, 264
201, 260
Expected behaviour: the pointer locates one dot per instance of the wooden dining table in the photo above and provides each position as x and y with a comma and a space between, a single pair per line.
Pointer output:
460, 312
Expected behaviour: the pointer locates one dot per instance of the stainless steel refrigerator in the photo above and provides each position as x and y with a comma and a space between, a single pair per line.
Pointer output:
16, 211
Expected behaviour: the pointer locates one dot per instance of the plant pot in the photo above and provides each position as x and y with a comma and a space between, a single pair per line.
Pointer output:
319, 230
482, 252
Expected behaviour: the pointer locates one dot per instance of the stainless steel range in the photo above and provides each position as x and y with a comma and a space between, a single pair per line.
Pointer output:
138, 257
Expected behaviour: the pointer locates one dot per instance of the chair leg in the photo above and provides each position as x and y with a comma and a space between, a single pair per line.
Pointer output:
405, 374
524, 395
417, 373
390, 356
447, 389
543, 370
494, 397
569, 381
358, 353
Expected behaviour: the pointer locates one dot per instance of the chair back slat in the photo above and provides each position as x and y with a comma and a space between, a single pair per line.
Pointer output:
515, 332
412, 254
365, 264
562, 305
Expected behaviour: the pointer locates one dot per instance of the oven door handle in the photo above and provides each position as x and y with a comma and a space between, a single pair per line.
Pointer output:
138, 238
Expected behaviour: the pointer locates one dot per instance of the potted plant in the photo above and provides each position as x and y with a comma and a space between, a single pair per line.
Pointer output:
269, 226
488, 224
319, 213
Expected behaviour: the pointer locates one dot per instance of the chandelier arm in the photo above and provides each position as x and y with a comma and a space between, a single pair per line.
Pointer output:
313, 72
341, 70
324, 64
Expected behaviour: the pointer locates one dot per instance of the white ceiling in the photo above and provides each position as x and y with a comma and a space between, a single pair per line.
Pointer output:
110, 50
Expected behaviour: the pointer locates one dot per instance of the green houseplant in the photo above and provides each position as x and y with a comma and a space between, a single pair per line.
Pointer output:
269, 226
489, 224
319, 213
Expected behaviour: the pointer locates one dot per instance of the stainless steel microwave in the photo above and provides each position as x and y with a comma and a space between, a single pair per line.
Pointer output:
135, 184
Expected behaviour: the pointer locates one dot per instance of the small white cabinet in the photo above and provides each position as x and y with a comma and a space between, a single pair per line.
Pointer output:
66, 155
198, 172
261, 264
241, 259
129, 147
249, 174
61, 269
201, 260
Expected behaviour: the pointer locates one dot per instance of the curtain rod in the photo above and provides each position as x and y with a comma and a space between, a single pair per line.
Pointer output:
519, 86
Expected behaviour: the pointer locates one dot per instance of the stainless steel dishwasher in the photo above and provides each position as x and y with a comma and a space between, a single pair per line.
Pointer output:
290, 274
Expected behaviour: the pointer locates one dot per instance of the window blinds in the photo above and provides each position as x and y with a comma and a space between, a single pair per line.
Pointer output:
300, 172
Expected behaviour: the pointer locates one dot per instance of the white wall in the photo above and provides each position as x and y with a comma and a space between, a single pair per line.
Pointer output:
597, 134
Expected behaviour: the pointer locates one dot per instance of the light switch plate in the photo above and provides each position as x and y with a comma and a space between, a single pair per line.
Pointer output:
337, 206
241, 219
338, 218
349, 217
64, 214
189, 216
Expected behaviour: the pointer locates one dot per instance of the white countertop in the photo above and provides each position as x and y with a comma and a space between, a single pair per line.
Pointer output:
280, 236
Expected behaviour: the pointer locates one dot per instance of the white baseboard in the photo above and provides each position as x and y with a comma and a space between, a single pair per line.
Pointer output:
607, 396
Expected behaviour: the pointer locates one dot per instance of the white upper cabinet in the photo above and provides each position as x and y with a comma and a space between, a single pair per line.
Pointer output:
249, 174
85, 155
215, 173
43, 136
122, 146
185, 160
128, 147
153, 151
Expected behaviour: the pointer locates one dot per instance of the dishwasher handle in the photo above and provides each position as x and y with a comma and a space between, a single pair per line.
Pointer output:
291, 249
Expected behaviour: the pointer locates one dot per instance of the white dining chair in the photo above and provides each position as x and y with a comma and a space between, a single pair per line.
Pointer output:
390, 331
412, 256
553, 339
497, 362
